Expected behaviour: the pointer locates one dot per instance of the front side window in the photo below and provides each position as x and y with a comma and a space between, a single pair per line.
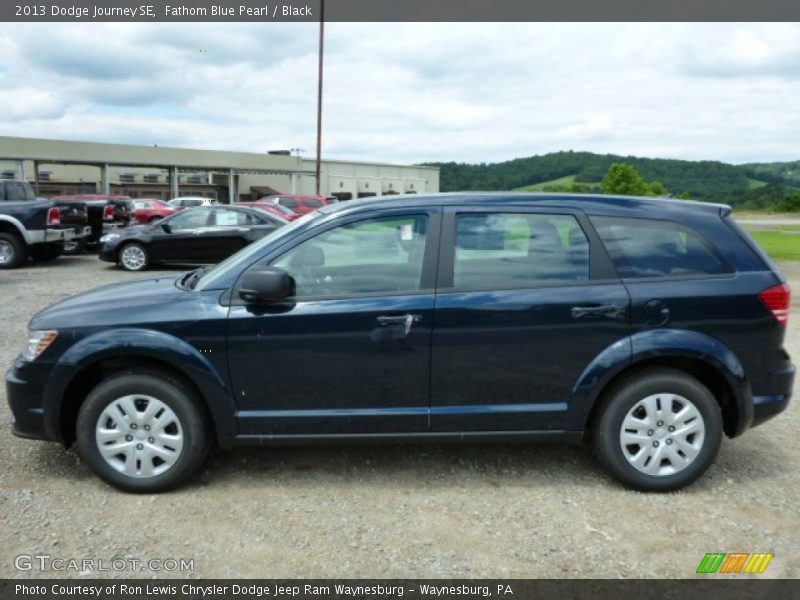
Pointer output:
512, 250
650, 248
288, 202
366, 257
313, 203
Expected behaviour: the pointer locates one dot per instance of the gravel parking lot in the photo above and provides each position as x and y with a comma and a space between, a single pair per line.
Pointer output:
402, 511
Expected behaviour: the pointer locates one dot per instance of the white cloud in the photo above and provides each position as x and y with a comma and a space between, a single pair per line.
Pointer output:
412, 92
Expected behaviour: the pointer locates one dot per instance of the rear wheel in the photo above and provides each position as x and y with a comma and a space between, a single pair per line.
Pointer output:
142, 432
134, 257
658, 430
154, 219
13, 251
46, 252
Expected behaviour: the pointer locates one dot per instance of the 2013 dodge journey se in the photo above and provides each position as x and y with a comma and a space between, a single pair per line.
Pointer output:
647, 327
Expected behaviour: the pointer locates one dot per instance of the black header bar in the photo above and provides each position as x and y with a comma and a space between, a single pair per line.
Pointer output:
153, 11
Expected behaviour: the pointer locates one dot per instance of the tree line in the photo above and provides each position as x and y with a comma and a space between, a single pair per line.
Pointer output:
765, 186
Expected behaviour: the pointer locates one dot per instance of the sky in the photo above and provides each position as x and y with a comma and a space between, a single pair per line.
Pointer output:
411, 92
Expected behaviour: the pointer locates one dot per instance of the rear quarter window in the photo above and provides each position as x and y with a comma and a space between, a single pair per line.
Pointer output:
655, 248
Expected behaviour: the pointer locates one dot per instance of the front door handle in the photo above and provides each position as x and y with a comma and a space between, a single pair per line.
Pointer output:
406, 320
612, 311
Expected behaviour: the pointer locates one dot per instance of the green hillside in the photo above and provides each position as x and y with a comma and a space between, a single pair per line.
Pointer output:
756, 186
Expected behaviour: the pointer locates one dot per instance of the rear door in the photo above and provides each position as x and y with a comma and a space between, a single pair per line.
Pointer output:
526, 300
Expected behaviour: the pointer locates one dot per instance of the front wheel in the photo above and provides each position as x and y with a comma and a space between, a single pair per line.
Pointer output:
658, 430
134, 257
142, 432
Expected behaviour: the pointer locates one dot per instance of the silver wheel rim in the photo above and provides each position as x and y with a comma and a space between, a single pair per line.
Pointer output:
133, 258
662, 434
6, 252
139, 436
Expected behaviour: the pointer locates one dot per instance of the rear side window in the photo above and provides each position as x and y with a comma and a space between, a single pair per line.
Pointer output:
512, 250
288, 202
649, 248
312, 202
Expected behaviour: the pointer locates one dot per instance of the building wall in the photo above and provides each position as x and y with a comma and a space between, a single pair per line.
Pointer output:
202, 172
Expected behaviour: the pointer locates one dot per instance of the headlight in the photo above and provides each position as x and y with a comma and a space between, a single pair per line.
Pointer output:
38, 342
109, 237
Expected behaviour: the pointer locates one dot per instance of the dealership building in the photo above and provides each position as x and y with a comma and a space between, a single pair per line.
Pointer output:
64, 167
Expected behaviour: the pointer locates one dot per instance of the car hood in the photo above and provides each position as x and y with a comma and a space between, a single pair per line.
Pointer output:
121, 303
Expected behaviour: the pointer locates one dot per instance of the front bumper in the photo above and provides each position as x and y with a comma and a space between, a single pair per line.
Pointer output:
108, 251
25, 393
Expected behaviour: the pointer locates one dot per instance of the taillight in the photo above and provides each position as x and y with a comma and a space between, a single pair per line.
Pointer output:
108, 213
54, 216
777, 299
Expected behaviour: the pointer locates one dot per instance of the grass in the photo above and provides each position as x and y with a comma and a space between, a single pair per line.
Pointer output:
779, 243
538, 187
754, 184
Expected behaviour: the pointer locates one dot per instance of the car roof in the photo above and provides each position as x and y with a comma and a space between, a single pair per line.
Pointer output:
594, 204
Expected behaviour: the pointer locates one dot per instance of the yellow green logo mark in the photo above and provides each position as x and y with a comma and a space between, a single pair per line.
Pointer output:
734, 562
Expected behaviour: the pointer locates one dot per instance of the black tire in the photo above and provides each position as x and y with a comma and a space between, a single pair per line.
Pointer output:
75, 247
46, 252
192, 421
154, 220
126, 265
623, 397
14, 244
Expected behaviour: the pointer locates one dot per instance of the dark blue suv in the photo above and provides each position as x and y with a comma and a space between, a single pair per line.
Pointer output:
647, 327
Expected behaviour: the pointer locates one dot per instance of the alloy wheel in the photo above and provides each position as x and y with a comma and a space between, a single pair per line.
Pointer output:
133, 258
6, 252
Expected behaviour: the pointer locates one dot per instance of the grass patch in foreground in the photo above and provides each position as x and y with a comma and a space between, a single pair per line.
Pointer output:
780, 245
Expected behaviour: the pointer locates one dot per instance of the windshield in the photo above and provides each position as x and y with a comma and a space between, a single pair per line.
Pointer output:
243, 257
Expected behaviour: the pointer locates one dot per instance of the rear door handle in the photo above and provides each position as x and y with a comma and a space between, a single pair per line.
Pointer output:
612, 311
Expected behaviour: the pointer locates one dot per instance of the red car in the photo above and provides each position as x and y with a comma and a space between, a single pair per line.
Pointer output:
272, 208
146, 210
299, 203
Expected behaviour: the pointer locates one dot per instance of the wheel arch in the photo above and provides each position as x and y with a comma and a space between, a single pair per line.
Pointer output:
701, 356
98, 357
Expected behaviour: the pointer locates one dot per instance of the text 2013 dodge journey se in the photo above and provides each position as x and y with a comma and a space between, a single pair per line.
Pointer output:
649, 327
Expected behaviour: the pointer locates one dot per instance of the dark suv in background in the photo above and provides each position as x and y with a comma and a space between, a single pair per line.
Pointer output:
647, 327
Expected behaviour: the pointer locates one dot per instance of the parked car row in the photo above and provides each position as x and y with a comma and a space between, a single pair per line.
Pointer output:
136, 233
36, 227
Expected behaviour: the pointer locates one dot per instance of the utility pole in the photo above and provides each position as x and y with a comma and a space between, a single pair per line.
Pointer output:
319, 93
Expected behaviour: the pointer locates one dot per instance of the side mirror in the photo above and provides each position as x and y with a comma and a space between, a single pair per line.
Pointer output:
265, 284
166, 227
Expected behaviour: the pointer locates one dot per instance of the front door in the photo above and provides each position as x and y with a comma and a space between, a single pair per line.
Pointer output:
183, 239
350, 352
527, 300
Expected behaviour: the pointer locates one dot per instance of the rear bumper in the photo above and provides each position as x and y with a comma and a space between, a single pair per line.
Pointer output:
767, 406
46, 236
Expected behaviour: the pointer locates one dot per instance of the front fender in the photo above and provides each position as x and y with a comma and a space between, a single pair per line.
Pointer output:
143, 343
654, 344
